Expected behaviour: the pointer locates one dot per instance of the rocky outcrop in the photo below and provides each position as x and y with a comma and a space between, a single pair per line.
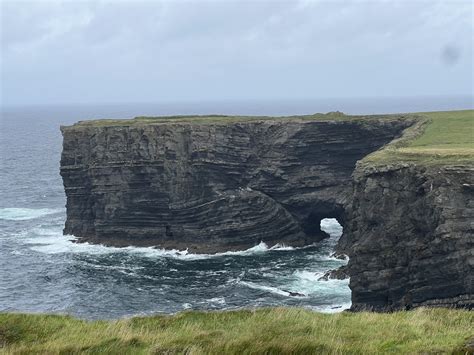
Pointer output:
340, 273
409, 234
214, 186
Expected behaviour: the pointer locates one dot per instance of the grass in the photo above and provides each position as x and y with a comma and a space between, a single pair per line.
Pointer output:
262, 331
220, 119
445, 137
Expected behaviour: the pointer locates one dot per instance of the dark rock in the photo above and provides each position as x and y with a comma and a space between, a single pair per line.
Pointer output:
210, 187
339, 255
410, 238
294, 294
340, 273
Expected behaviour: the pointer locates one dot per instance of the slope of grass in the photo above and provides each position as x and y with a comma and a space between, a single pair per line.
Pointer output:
269, 331
445, 137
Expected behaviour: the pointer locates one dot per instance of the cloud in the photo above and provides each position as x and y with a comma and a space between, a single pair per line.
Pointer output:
69, 51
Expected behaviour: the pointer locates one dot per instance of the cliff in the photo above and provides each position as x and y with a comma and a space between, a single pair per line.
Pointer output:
410, 223
215, 185
409, 237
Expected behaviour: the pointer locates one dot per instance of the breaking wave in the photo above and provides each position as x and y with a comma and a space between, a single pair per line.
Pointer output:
164, 279
52, 241
331, 226
23, 214
270, 289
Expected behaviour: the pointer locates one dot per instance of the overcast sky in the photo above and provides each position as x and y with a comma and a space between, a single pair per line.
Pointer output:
166, 51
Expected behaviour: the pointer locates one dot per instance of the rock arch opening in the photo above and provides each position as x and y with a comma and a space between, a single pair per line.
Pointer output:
332, 227
324, 220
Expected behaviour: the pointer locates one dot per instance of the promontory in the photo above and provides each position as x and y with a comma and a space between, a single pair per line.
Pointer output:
401, 185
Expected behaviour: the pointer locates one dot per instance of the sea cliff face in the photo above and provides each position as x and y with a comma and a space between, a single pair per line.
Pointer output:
216, 186
409, 235
228, 185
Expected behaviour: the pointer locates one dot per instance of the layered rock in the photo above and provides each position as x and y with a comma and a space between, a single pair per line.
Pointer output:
410, 237
214, 186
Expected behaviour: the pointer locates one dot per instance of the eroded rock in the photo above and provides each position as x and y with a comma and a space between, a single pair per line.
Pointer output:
211, 187
410, 238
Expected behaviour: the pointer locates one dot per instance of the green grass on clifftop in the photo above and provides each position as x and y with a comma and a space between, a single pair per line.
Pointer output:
264, 331
208, 119
444, 137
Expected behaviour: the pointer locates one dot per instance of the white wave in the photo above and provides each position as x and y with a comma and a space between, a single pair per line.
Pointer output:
234, 281
123, 269
283, 247
23, 214
257, 249
307, 282
330, 257
270, 289
344, 260
186, 255
17, 252
331, 226
334, 308
218, 300
52, 241
307, 275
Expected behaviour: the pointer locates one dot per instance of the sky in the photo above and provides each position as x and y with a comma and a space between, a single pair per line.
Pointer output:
60, 52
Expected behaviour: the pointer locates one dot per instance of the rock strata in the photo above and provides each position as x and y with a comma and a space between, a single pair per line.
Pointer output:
210, 187
216, 186
410, 237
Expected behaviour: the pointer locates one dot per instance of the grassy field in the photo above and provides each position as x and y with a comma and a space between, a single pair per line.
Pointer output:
264, 331
445, 137
208, 119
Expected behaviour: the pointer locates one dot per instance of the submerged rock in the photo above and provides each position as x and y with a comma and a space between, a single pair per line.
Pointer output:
294, 294
340, 273
339, 255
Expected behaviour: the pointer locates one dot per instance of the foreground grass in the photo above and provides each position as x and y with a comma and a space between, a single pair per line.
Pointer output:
277, 330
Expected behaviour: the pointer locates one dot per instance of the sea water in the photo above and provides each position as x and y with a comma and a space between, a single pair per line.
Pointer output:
42, 270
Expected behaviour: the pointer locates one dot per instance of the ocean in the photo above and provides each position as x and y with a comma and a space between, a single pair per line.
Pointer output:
41, 270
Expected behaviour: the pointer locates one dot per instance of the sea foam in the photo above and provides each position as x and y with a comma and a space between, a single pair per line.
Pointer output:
23, 214
265, 288
52, 241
